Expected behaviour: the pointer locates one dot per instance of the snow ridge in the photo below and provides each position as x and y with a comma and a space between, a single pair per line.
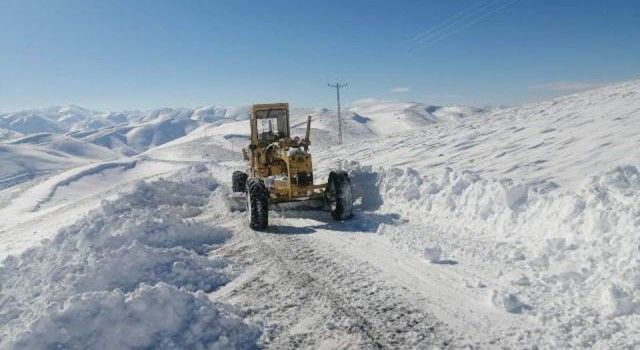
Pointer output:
131, 274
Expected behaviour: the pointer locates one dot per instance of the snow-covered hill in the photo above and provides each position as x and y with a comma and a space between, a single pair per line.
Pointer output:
44, 141
132, 132
386, 118
64, 144
128, 132
363, 121
564, 140
539, 203
6, 135
40, 154
54, 120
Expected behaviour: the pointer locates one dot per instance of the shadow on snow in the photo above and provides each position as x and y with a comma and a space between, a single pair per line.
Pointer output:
360, 222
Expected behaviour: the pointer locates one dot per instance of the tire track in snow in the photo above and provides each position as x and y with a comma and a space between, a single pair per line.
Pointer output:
306, 279
340, 295
126, 165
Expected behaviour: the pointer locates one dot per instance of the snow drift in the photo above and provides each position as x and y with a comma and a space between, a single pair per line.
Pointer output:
564, 257
153, 317
131, 274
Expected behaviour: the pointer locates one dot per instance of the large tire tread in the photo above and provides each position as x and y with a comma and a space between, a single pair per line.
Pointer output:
257, 204
239, 181
338, 195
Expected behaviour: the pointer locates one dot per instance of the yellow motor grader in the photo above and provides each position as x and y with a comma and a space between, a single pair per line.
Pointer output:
279, 170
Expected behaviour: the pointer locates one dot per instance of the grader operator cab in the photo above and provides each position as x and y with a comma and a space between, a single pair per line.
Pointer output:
279, 170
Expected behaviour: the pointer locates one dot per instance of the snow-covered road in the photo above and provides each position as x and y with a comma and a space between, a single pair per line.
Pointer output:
317, 283
313, 282
311, 291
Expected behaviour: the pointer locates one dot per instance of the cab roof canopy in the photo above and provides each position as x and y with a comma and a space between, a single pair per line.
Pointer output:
268, 106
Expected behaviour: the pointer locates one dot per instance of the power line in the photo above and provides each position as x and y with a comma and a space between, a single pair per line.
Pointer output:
463, 26
337, 86
458, 22
460, 16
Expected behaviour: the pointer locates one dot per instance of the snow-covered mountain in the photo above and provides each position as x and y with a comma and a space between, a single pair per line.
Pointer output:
42, 141
75, 119
363, 121
128, 132
132, 132
96, 136
53, 120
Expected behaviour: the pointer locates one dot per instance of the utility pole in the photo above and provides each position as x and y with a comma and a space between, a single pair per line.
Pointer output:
337, 86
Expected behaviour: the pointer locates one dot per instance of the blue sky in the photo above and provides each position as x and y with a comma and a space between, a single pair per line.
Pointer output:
142, 54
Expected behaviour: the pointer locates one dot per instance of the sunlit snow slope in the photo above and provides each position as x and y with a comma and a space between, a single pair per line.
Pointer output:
562, 140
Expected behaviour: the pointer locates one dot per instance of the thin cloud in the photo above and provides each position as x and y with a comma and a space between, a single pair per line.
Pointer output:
400, 89
569, 85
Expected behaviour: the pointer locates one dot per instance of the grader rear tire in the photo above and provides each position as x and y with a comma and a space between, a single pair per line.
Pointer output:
257, 204
338, 195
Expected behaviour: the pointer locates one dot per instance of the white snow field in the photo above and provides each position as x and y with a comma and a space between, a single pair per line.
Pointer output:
480, 228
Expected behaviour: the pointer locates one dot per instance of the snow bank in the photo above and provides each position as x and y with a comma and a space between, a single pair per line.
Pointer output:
131, 274
154, 317
572, 256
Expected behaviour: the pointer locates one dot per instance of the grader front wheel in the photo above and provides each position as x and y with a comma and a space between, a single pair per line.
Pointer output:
257, 204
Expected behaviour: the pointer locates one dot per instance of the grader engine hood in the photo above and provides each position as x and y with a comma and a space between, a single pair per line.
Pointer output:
292, 172
300, 167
